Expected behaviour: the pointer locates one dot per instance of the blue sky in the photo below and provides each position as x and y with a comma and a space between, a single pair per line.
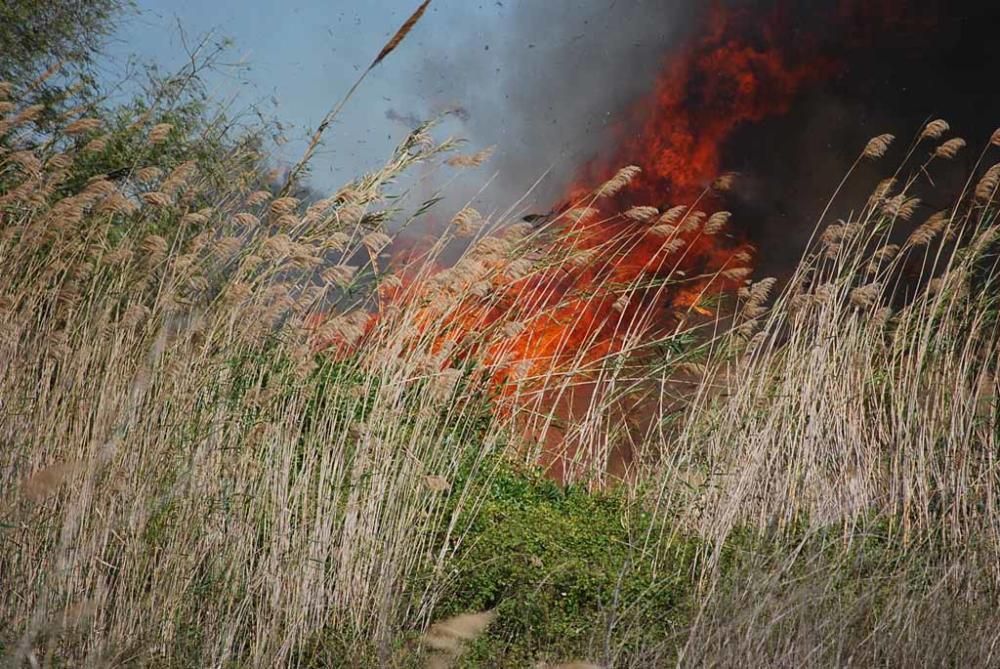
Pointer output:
540, 80
302, 55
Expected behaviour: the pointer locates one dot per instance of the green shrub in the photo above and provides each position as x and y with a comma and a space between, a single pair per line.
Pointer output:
565, 569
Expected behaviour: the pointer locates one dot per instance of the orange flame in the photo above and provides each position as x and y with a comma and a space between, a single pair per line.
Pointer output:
639, 273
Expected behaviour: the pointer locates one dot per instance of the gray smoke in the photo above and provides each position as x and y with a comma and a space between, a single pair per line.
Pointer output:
546, 83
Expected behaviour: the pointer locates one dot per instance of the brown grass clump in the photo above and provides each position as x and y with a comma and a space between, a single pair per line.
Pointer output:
181, 377
877, 146
845, 445
950, 149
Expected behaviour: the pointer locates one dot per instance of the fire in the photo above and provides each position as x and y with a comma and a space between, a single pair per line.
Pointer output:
632, 258
641, 269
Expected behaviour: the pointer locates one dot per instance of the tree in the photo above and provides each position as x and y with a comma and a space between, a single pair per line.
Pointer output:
35, 34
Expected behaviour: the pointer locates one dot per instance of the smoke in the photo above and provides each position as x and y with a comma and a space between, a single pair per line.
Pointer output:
546, 84
915, 62
551, 85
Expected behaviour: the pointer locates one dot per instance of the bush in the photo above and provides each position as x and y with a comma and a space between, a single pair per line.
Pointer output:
571, 574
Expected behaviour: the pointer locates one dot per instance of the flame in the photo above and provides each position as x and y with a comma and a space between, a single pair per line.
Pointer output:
606, 275
639, 278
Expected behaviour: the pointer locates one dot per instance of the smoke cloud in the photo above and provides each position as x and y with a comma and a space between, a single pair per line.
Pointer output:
546, 84
551, 85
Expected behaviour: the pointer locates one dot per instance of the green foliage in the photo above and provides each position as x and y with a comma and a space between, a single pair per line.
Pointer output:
567, 573
224, 159
36, 33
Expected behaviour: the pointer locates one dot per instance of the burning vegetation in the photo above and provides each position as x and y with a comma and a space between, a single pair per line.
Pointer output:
243, 427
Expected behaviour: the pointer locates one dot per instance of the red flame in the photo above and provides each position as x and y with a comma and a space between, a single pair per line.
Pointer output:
729, 75
738, 69
705, 92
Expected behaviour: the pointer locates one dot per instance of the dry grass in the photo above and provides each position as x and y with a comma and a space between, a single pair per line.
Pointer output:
870, 387
181, 464
194, 485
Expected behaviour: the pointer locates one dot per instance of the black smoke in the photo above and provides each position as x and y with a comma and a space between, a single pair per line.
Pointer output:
548, 84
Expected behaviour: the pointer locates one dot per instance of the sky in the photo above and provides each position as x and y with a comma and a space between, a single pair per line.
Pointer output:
544, 81
301, 56
540, 80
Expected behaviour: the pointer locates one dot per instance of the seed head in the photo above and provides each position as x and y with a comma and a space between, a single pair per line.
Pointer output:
283, 206
247, 219
865, 296
149, 174
736, 273
950, 149
717, 222
156, 199
96, 145
926, 232
692, 221
641, 213
986, 189
340, 275
449, 636
472, 160
336, 241
155, 247
673, 214
194, 218
673, 246
159, 133
437, 483
466, 221
82, 126
743, 257
116, 203
179, 176
579, 214
226, 247
877, 146
935, 129
901, 206
882, 190
376, 241
27, 161
620, 180
725, 182
258, 197
27, 115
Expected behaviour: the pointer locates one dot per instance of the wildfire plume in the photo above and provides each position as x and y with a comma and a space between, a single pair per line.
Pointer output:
636, 249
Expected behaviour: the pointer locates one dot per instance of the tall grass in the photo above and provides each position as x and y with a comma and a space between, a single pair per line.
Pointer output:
189, 483
236, 435
869, 385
